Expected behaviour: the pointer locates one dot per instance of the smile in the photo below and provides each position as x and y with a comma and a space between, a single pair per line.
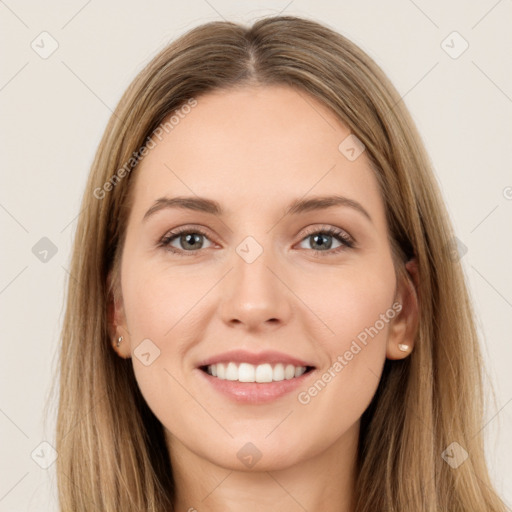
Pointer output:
261, 373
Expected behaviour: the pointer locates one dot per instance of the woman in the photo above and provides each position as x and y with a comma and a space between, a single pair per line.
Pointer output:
218, 351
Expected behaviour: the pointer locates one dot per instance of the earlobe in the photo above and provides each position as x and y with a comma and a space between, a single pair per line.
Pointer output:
118, 332
403, 328
119, 337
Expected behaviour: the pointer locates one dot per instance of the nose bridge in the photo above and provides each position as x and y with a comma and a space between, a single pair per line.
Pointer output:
253, 294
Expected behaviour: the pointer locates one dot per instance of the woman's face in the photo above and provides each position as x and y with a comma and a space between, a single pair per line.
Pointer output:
256, 282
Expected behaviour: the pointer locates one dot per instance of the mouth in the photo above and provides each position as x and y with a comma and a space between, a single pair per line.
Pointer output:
259, 385
261, 373
255, 378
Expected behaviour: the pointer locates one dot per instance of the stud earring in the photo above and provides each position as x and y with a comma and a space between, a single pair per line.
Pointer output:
119, 341
403, 347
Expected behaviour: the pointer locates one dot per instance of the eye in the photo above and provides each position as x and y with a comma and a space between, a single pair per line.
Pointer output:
322, 238
190, 240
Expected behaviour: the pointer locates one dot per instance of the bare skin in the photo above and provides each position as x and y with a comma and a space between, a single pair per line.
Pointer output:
254, 151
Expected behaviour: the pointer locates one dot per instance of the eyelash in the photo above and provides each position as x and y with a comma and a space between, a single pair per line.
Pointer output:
347, 241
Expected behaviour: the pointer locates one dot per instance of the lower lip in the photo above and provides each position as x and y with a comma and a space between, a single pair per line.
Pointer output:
255, 392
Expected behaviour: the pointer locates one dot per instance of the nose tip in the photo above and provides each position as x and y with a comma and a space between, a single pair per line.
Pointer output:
253, 296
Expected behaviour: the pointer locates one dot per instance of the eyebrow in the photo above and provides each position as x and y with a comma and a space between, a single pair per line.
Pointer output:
296, 207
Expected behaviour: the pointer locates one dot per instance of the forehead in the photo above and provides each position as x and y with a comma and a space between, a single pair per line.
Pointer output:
244, 146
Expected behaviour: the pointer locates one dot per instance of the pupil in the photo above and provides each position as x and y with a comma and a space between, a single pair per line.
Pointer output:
315, 237
189, 239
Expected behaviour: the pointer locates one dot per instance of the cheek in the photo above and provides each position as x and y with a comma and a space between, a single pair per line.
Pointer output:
362, 311
149, 306
157, 299
356, 311
352, 300
156, 312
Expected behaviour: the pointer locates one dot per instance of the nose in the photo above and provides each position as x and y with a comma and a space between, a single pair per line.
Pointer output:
255, 296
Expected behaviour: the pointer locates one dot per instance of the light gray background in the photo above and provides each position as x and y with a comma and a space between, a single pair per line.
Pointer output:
54, 111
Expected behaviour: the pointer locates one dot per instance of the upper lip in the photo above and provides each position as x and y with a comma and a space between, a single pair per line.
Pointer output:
242, 356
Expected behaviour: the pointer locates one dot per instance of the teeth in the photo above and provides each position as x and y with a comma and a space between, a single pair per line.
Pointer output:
221, 371
231, 372
263, 373
289, 372
245, 372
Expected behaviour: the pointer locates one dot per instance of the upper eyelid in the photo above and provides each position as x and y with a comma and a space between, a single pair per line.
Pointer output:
326, 227
187, 229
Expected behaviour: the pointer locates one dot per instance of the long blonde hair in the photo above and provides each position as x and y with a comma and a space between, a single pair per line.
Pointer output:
112, 454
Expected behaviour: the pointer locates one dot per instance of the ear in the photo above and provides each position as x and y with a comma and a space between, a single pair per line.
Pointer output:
404, 326
116, 319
